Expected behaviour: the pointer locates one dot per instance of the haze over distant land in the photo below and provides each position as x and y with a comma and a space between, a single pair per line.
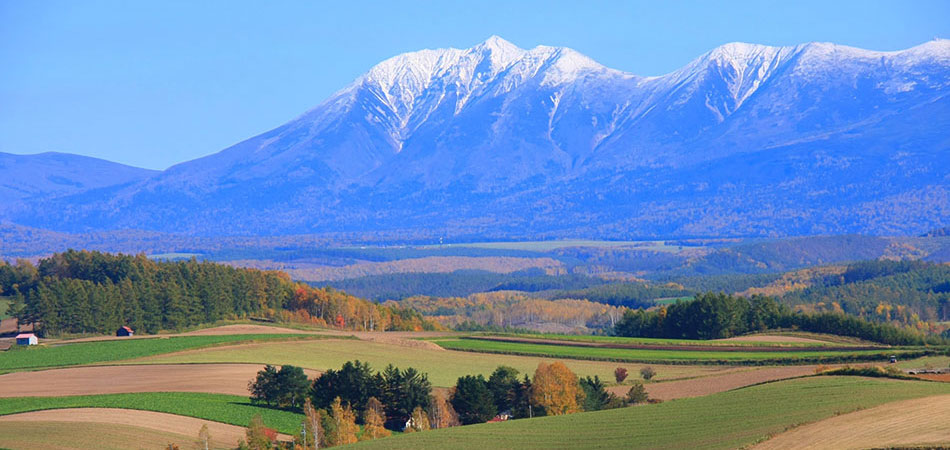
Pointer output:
744, 140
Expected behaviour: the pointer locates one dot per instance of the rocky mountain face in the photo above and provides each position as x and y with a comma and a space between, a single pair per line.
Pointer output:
494, 140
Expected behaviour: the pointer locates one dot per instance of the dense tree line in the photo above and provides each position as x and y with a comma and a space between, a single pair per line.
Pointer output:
336, 402
92, 292
715, 316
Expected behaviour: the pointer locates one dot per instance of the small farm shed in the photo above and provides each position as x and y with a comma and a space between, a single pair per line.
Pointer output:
124, 331
26, 339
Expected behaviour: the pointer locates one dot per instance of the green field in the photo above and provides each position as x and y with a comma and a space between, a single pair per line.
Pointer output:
4, 305
43, 356
660, 341
443, 367
661, 356
217, 407
727, 420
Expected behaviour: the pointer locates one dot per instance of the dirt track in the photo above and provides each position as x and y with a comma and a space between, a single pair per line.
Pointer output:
911, 422
212, 378
188, 426
697, 387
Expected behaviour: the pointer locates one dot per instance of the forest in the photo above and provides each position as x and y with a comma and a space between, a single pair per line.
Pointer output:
911, 293
717, 316
93, 292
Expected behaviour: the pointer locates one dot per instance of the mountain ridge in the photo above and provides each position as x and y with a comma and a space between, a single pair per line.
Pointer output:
498, 137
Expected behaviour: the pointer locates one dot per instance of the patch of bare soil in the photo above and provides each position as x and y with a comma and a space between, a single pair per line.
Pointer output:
697, 387
212, 378
8, 327
944, 377
916, 422
171, 423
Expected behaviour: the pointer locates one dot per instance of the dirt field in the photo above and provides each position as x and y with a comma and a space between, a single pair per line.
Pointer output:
916, 422
211, 378
224, 435
697, 387
945, 377
46, 435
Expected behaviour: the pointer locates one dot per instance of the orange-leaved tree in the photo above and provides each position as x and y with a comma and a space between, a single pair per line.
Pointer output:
556, 389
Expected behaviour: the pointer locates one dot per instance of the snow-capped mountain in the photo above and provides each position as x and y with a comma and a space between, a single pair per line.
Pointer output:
746, 139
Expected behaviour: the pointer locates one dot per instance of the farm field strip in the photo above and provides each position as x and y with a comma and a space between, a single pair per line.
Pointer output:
210, 378
751, 341
697, 387
444, 367
917, 422
741, 341
48, 435
726, 420
691, 346
659, 356
116, 350
179, 429
229, 409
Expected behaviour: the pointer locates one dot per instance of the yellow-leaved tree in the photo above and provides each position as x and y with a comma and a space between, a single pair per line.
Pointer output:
556, 389
343, 425
374, 418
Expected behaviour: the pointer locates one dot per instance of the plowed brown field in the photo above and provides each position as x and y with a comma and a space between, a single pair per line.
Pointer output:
228, 435
212, 378
917, 422
697, 387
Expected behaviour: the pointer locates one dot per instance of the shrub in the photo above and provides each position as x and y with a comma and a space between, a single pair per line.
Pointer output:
637, 394
620, 374
647, 373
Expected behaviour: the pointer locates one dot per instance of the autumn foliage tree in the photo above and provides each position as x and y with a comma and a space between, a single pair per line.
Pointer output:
620, 374
441, 412
342, 425
257, 438
556, 389
374, 420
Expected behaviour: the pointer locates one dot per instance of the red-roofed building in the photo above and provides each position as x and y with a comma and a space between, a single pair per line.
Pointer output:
26, 339
124, 331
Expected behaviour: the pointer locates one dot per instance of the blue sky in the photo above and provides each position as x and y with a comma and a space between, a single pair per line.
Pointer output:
154, 83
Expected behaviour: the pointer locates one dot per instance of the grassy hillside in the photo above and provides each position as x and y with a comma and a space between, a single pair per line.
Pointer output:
727, 420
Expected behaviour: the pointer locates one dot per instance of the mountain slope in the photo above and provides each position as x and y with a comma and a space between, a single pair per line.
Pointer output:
44, 175
744, 140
